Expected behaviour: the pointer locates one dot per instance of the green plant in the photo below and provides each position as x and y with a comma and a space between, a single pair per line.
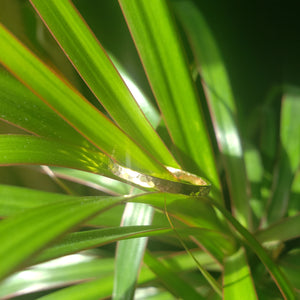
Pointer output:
226, 243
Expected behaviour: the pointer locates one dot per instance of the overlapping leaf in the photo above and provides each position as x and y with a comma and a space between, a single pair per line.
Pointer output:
61, 97
285, 229
175, 284
289, 159
221, 103
25, 149
105, 184
93, 64
237, 277
153, 30
24, 109
130, 253
283, 284
43, 225
129, 139
85, 266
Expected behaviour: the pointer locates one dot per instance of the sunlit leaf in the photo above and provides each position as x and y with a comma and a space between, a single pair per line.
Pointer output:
221, 104
94, 181
147, 107
92, 290
70, 269
74, 108
25, 149
79, 241
43, 225
93, 64
24, 109
62, 246
196, 213
14, 199
130, 253
199, 212
153, 30
59, 273
237, 278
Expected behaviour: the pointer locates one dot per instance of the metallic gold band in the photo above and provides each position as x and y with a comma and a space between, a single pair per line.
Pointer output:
186, 183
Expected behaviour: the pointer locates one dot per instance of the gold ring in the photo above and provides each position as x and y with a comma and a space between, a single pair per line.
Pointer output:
184, 182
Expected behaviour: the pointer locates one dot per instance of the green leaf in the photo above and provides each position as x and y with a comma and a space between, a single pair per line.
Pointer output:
93, 64
283, 284
72, 268
195, 212
177, 286
15, 199
182, 261
221, 103
25, 149
129, 255
23, 108
59, 273
82, 240
97, 289
208, 277
268, 127
255, 172
153, 294
105, 184
237, 280
43, 225
289, 160
290, 265
153, 30
294, 204
283, 230
147, 107
290, 126
70, 105
92, 290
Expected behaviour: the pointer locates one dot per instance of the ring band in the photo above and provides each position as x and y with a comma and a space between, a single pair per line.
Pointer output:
186, 184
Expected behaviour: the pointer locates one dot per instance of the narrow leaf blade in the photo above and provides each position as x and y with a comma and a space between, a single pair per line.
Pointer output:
157, 42
221, 104
24, 109
282, 283
79, 241
15, 199
74, 108
26, 149
129, 255
93, 64
41, 226
289, 160
177, 286
237, 278
283, 230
